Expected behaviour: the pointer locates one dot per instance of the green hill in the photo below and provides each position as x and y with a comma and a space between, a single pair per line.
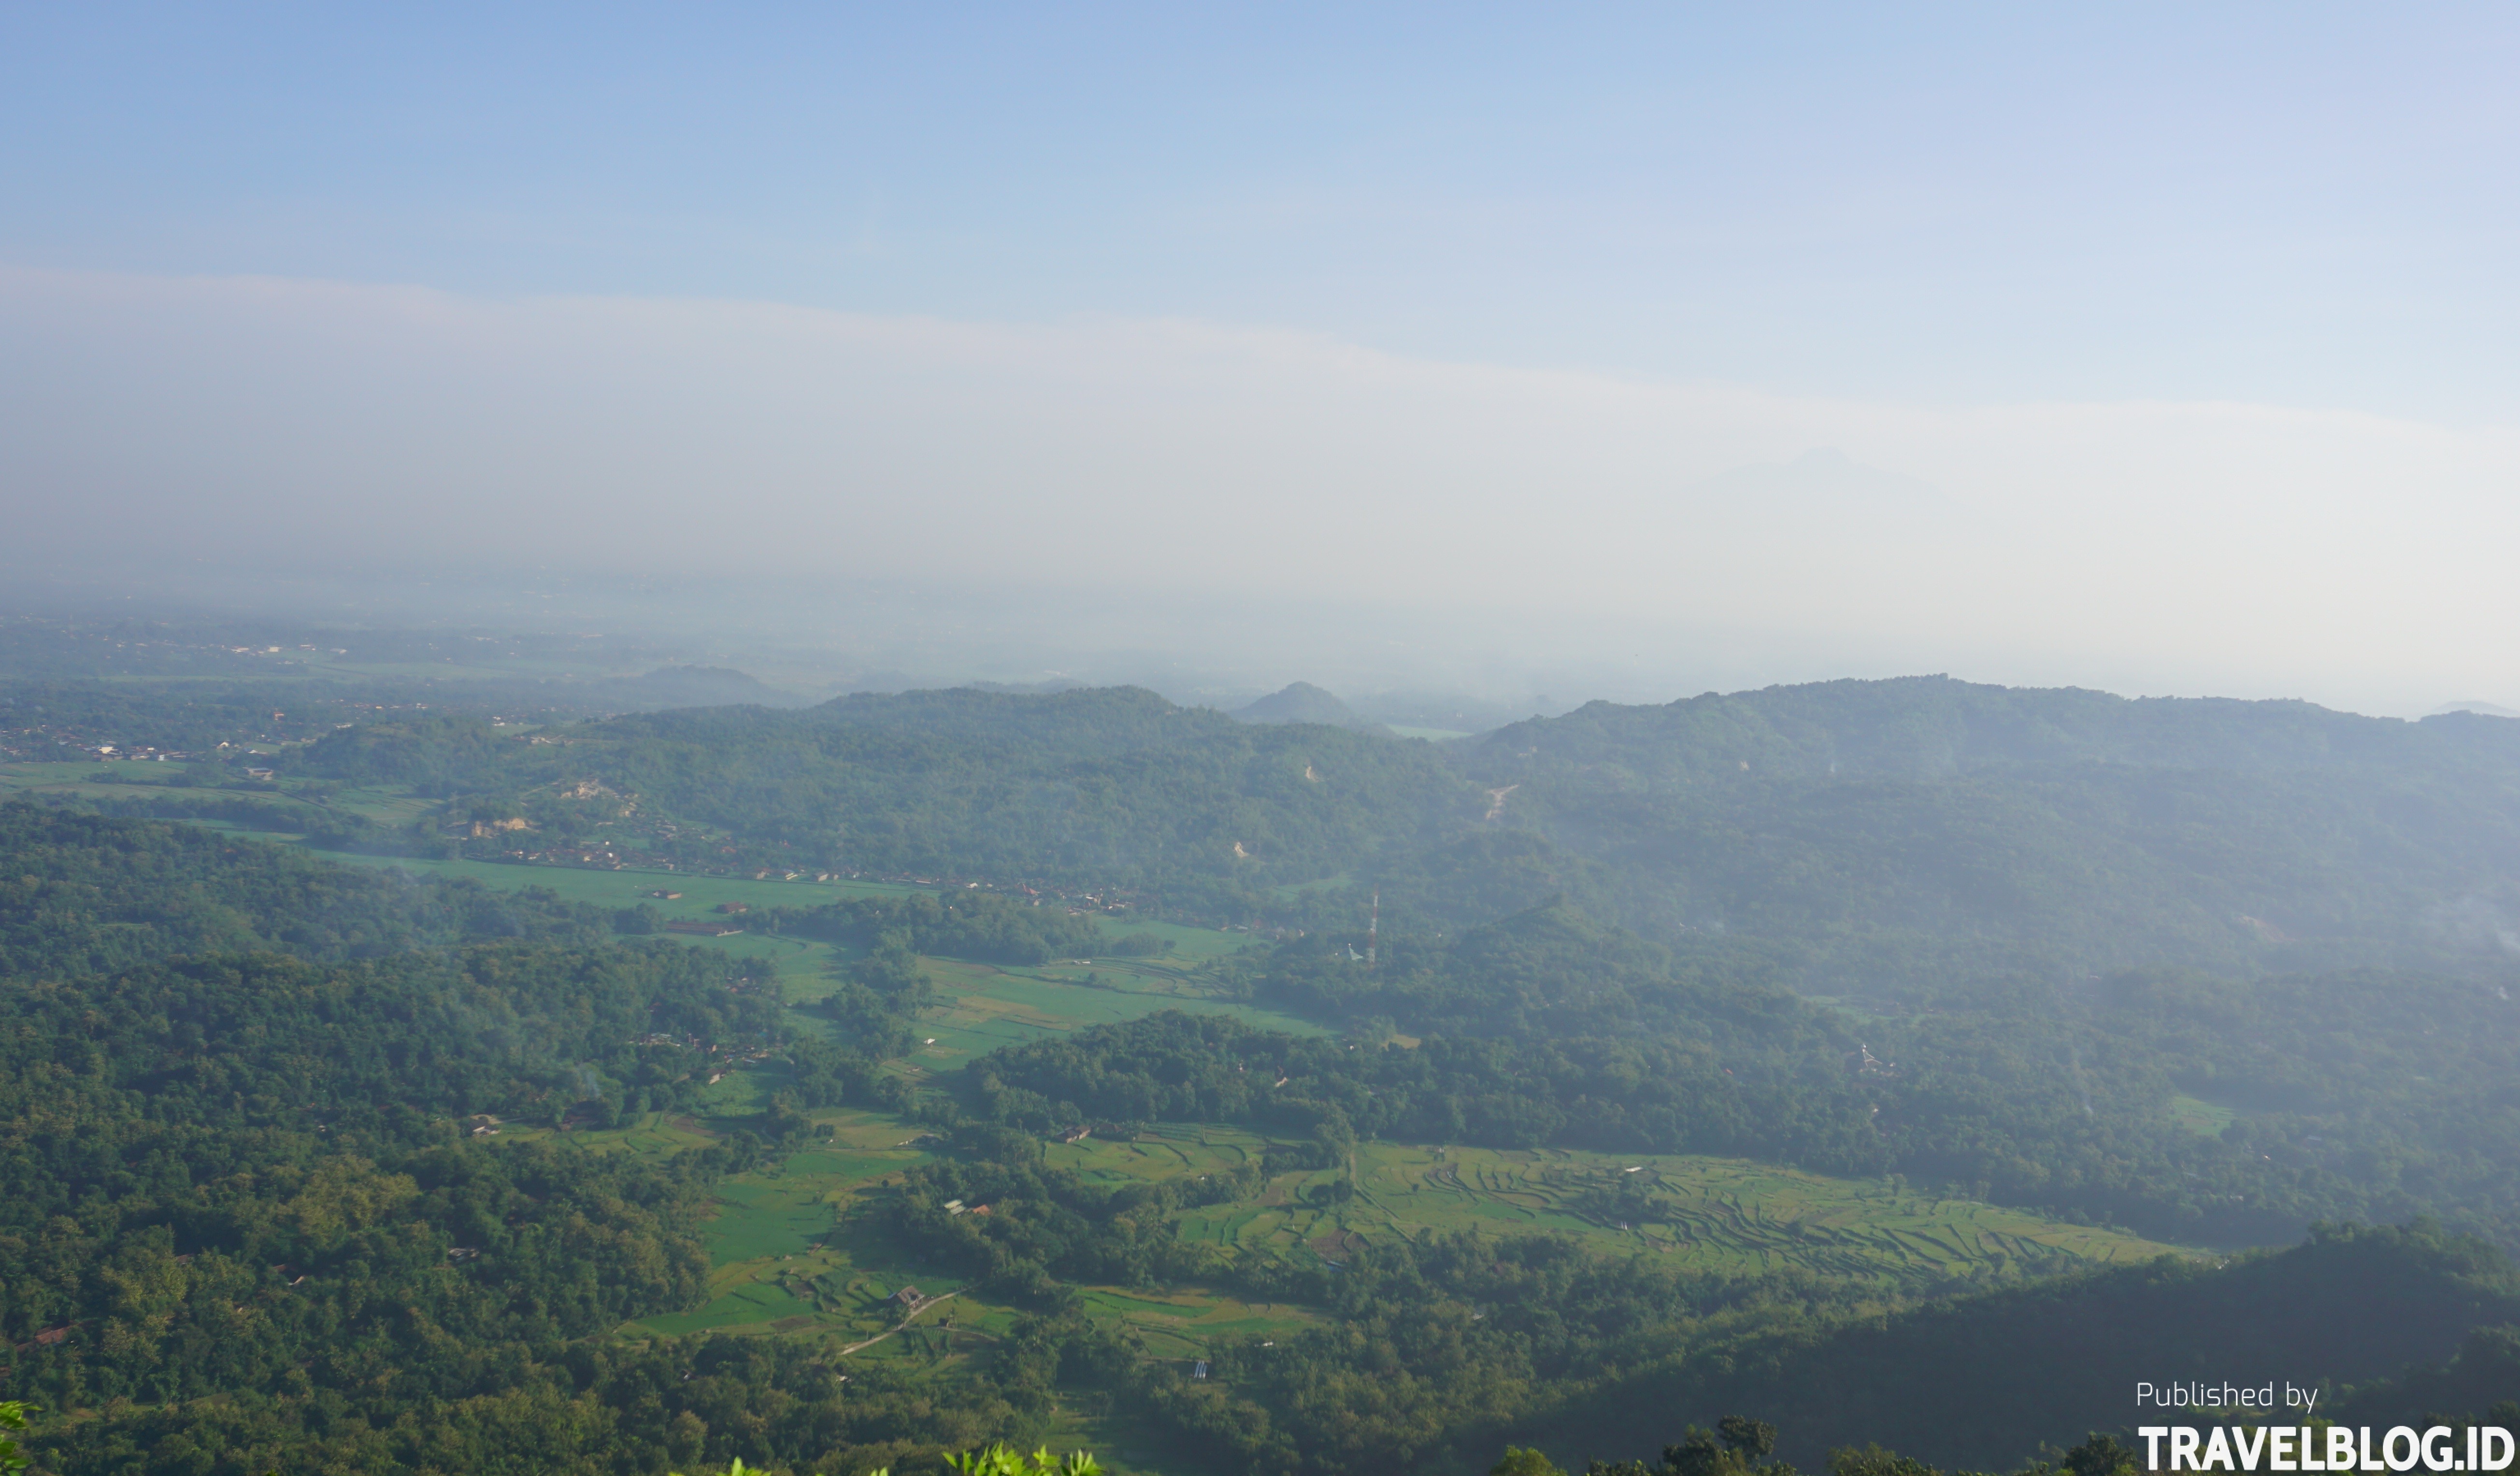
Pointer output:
1302, 702
1899, 831
1932, 727
1980, 1383
1888, 837
1109, 788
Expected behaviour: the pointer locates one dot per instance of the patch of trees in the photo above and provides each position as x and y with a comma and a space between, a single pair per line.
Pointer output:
966, 924
1635, 1095
604, 1408
2478, 1385
81, 892
435, 753
246, 1172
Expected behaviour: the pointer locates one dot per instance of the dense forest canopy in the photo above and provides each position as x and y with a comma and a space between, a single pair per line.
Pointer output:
233, 1172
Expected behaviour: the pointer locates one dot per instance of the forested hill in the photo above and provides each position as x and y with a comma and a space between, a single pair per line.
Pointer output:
1934, 727
1900, 833
1886, 836
1088, 722
1114, 786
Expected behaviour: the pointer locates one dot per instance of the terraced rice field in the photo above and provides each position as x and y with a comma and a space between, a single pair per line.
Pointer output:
1178, 1323
1731, 1215
1709, 1213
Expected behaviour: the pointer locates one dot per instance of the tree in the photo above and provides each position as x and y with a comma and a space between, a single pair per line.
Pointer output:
2101, 1455
1749, 1439
1696, 1455
1872, 1460
1522, 1462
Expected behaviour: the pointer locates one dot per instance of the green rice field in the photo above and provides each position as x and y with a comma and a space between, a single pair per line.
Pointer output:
793, 1249
983, 1006
1704, 1214
783, 1253
2201, 1117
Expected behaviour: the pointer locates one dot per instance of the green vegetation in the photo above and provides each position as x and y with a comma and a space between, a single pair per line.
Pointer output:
2369, 1095
246, 1176
2357, 1306
1896, 833
1725, 1215
1011, 1069
82, 893
1116, 788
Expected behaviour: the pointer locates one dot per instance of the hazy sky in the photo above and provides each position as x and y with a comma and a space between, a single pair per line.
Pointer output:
2164, 349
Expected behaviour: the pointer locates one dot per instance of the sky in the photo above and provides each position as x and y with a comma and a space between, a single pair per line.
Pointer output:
2161, 348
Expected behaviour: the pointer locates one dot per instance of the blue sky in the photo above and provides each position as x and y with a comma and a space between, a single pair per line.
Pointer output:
2289, 202
1914, 235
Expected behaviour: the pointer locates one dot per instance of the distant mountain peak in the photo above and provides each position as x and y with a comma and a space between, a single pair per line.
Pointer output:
697, 686
1301, 702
